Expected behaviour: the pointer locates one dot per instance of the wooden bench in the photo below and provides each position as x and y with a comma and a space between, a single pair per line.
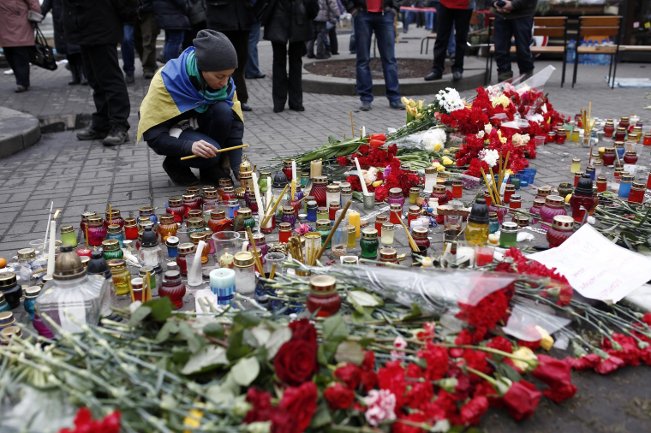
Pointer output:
599, 26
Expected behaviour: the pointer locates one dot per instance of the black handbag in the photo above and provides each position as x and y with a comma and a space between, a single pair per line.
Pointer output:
43, 54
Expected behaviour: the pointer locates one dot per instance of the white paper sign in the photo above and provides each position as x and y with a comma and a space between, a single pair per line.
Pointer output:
596, 267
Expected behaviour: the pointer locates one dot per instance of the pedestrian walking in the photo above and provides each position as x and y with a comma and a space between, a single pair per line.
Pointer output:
288, 28
324, 21
234, 18
513, 19
375, 16
191, 108
62, 45
171, 16
145, 35
96, 26
451, 14
17, 37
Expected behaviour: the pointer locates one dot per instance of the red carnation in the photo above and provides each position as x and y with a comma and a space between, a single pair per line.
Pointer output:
407, 426
350, 374
610, 364
473, 410
338, 396
437, 360
521, 399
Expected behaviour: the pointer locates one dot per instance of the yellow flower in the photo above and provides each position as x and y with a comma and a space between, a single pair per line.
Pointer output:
377, 183
546, 340
567, 198
438, 166
527, 359
193, 420
502, 100
447, 161
438, 147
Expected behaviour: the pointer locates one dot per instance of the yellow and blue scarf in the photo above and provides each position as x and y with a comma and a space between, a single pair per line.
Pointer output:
171, 93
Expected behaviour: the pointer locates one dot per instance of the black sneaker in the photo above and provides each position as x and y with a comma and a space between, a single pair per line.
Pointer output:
366, 106
503, 76
91, 133
116, 137
434, 75
457, 75
180, 174
397, 105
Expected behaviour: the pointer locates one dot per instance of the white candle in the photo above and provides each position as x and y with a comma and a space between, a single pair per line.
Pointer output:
294, 170
268, 197
361, 178
194, 273
51, 248
363, 131
258, 198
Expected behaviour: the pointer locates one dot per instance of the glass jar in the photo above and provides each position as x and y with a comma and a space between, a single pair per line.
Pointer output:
289, 216
322, 213
646, 139
430, 179
244, 273
137, 289
3, 303
561, 229
414, 195
323, 227
332, 210
515, 202
575, 167
354, 218
620, 149
379, 221
617, 174
152, 278
111, 249
195, 238
508, 234
396, 197
620, 134
68, 236
333, 194
120, 276
561, 135
388, 233
175, 208
195, 224
583, 200
115, 232
311, 211
222, 284
476, 231
521, 220
352, 237
190, 202
319, 190
210, 200
172, 244
388, 255
148, 211
113, 217
218, 221
608, 156
284, 232
312, 247
181, 260
602, 183
630, 157
167, 227
10, 289
554, 205
96, 231
227, 244
637, 192
493, 223
457, 188
609, 128
173, 288
440, 193
413, 213
538, 203
625, 185
369, 244
509, 190
83, 223
260, 245
243, 220
420, 235
395, 213
130, 229
323, 299
228, 193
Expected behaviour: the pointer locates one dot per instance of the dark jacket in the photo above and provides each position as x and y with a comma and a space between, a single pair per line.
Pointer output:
230, 15
145, 7
95, 22
521, 8
361, 4
291, 21
60, 41
172, 14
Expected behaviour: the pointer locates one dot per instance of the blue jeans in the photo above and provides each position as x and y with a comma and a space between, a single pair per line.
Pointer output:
253, 65
128, 55
520, 29
173, 44
382, 25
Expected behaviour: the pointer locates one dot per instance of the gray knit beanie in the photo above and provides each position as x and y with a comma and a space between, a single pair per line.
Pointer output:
214, 51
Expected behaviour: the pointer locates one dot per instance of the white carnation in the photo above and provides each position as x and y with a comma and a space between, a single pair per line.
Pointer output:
450, 100
433, 140
489, 156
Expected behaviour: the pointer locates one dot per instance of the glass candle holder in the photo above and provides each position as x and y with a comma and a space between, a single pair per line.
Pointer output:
333, 194
68, 236
244, 273
369, 244
173, 288
388, 233
355, 219
323, 299
508, 234
227, 244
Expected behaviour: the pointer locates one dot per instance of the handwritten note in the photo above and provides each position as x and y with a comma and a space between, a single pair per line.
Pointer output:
596, 267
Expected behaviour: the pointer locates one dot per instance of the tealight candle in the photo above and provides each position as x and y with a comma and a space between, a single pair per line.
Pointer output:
222, 284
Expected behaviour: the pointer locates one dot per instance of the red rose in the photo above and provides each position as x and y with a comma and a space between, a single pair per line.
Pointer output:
472, 411
300, 404
521, 399
552, 371
295, 361
304, 330
261, 409
339, 397
350, 374
559, 393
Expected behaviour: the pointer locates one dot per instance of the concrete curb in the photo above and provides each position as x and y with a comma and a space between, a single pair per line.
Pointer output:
18, 131
312, 83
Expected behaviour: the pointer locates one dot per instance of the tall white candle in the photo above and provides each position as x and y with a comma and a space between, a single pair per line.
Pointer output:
194, 273
363, 131
294, 170
258, 198
268, 196
51, 248
361, 177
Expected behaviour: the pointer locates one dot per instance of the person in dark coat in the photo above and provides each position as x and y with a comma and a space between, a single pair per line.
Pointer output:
172, 16
71, 51
197, 16
145, 34
289, 24
234, 18
96, 26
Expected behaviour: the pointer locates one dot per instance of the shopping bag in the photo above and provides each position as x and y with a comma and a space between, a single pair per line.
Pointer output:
43, 54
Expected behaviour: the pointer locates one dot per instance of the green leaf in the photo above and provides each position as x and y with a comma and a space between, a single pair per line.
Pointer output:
246, 320
213, 329
322, 417
415, 313
139, 315
329, 348
161, 308
205, 360
170, 327
194, 342
361, 299
507, 371
236, 347
279, 337
334, 328
245, 371
350, 351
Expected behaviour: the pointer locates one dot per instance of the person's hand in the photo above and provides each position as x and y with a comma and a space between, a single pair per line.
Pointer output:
506, 8
203, 149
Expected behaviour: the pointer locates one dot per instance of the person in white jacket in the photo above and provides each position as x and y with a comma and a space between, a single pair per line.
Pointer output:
328, 15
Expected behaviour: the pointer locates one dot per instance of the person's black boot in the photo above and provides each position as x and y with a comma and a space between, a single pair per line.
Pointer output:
91, 133
179, 173
117, 136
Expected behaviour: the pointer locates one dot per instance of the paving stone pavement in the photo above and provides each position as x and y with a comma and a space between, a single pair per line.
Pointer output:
78, 176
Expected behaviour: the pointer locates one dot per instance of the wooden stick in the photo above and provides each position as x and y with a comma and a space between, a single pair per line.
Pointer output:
412, 242
265, 220
332, 231
490, 190
256, 254
226, 149
498, 197
504, 168
352, 124
272, 273
146, 295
